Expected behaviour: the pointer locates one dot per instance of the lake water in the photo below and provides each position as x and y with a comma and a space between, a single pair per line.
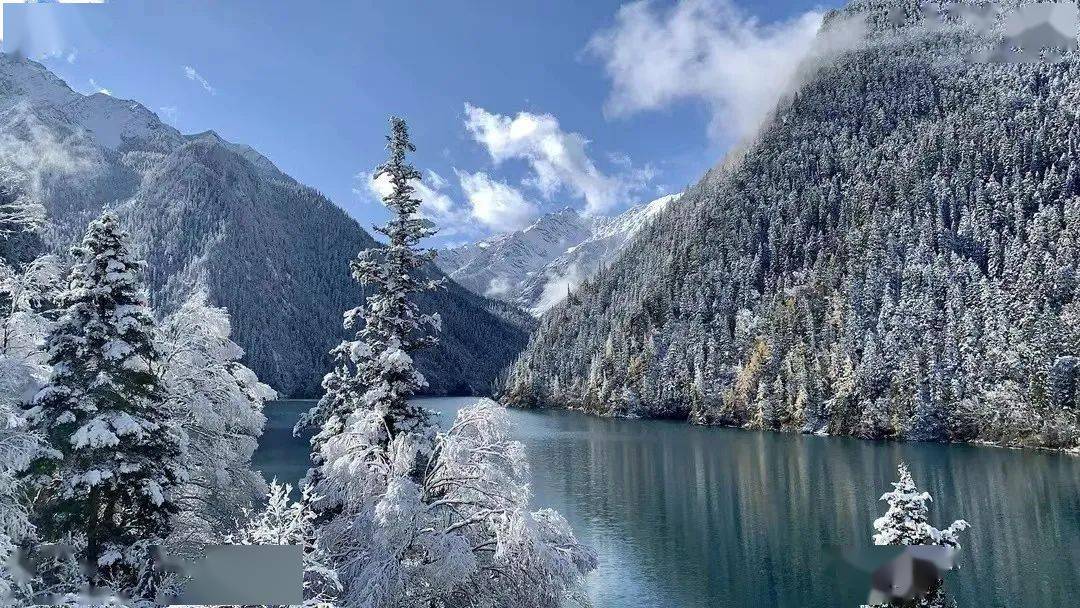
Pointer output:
685, 516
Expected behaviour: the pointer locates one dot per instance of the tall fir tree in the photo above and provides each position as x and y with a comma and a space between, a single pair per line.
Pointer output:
117, 448
366, 405
374, 371
408, 515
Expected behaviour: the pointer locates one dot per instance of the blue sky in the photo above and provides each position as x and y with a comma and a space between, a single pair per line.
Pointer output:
516, 108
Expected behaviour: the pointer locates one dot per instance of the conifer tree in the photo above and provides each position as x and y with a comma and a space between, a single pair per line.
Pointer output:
410, 516
906, 523
117, 449
374, 371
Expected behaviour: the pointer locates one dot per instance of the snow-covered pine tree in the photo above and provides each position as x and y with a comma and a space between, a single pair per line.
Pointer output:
906, 523
119, 449
374, 372
222, 404
409, 516
366, 405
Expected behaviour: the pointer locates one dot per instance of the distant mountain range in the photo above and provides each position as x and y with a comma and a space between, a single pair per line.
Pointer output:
210, 214
536, 267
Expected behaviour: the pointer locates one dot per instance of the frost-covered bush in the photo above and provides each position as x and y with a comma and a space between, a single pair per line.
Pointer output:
462, 534
17, 450
27, 284
283, 522
219, 402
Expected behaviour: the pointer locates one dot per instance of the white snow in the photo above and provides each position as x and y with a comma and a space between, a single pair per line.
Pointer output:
534, 267
94, 434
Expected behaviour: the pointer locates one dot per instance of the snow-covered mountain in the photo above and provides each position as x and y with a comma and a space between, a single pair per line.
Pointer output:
894, 255
208, 213
534, 268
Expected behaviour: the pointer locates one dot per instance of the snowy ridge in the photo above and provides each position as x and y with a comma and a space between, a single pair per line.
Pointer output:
263, 164
535, 267
496, 266
108, 120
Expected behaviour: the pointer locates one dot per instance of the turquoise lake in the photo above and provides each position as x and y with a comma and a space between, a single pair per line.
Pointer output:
685, 516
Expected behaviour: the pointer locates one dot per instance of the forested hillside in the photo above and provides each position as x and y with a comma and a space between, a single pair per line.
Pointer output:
894, 256
205, 212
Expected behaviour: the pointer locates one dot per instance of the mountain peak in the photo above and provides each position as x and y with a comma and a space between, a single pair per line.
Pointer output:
535, 266
262, 164
207, 134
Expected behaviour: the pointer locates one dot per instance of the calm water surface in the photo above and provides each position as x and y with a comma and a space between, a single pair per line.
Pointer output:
684, 516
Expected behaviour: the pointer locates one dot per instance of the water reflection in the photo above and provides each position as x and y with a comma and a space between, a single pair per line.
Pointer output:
685, 516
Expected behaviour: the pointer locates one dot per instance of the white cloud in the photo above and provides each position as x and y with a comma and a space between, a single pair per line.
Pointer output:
170, 114
707, 50
491, 204
437, 181
557, 158
496, 204
435, 204
195, 76
498, 286
98, 88
67, 55
556, 288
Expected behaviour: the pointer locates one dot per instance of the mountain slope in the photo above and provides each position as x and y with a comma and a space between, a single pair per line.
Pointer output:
534, 268
496, 266
895, 255
207, 213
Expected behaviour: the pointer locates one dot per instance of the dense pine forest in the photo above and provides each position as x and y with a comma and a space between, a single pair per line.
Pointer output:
894, 256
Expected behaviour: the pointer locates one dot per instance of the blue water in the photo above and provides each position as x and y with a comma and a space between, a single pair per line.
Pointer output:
685, 516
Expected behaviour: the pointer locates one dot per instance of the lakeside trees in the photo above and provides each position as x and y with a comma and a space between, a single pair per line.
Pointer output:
117, 433
123, 431
407, 514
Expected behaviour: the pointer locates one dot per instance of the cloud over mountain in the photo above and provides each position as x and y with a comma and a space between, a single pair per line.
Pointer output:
704, 50
558, 159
